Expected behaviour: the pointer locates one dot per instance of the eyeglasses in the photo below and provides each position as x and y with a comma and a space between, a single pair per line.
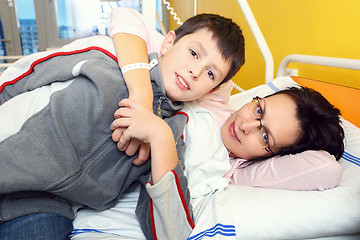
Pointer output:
264, 136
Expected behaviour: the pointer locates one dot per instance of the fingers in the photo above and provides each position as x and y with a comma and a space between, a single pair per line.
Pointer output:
119, 114
128, 103
117, 133
122, 145
120, 123
138, 162
133, 147
123, 142
127, 109
144, 152
125, 130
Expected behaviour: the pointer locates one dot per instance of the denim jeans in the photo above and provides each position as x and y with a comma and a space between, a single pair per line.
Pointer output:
41, 226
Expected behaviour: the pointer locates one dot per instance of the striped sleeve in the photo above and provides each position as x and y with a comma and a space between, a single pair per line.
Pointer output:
170, 210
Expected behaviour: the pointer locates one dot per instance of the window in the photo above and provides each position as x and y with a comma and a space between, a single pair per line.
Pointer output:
29, 26
76, 21
26, 22
2, 37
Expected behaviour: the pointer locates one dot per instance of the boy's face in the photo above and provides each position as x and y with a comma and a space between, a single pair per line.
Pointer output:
193, 66
242, 136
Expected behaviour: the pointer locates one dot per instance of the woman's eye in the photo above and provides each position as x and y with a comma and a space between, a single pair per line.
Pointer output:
264, 137
258, 111
211, 75
193, 53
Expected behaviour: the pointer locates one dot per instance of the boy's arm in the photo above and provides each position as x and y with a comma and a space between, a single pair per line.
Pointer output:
134, 39
154, 131
169, 200
131, 48
167, 214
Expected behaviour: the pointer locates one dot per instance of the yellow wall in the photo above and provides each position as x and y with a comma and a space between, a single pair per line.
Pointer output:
315, 27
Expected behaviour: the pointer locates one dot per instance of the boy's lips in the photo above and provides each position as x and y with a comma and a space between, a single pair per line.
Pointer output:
232, 131
182, 83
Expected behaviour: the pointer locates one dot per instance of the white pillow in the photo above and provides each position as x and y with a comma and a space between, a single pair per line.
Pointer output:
281, 214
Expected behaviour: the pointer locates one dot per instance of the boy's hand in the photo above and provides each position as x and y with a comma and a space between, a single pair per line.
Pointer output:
132, 146
139, 86
140, 124
145, 126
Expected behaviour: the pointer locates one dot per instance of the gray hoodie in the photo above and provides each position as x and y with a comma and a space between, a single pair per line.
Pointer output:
63, 156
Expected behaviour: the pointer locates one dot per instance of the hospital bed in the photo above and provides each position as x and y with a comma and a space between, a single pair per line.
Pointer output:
258, 213
265, 213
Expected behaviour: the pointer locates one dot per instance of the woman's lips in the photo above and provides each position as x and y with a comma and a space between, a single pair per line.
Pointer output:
232, 131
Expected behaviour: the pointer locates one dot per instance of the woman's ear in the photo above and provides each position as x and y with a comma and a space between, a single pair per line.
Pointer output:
167, 42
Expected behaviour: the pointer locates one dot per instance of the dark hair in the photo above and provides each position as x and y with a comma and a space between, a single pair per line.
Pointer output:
228, 34
319, 124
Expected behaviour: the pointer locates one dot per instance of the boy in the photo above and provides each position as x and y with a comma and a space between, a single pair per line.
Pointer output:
74, 157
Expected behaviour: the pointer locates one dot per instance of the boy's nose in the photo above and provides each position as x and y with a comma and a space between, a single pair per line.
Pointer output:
194, 75
196, 71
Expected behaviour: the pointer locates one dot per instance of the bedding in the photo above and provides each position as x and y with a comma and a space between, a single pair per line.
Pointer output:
300, 214
258, 213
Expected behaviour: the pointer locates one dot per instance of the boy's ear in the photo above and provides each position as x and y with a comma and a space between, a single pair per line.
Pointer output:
167, 42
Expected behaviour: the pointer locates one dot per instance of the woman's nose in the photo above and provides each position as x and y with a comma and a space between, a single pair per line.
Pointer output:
250, 125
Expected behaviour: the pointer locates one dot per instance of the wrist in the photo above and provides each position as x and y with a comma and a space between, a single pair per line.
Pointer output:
143, 94
161, 135
133, 66
163, 154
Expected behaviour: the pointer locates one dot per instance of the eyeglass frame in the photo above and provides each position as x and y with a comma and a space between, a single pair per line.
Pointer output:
261, 126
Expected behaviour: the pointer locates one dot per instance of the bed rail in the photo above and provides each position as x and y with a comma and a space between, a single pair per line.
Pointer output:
260, 40
318, 60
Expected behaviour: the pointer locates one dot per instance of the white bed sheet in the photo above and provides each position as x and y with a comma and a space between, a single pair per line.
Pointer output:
118, 222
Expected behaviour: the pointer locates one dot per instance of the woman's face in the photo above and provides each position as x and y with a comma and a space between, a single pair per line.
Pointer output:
243, 136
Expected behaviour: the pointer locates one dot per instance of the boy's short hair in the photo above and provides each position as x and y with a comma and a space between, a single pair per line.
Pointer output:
228, 34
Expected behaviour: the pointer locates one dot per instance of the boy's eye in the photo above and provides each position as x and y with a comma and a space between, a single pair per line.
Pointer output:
193, 53
211, 74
